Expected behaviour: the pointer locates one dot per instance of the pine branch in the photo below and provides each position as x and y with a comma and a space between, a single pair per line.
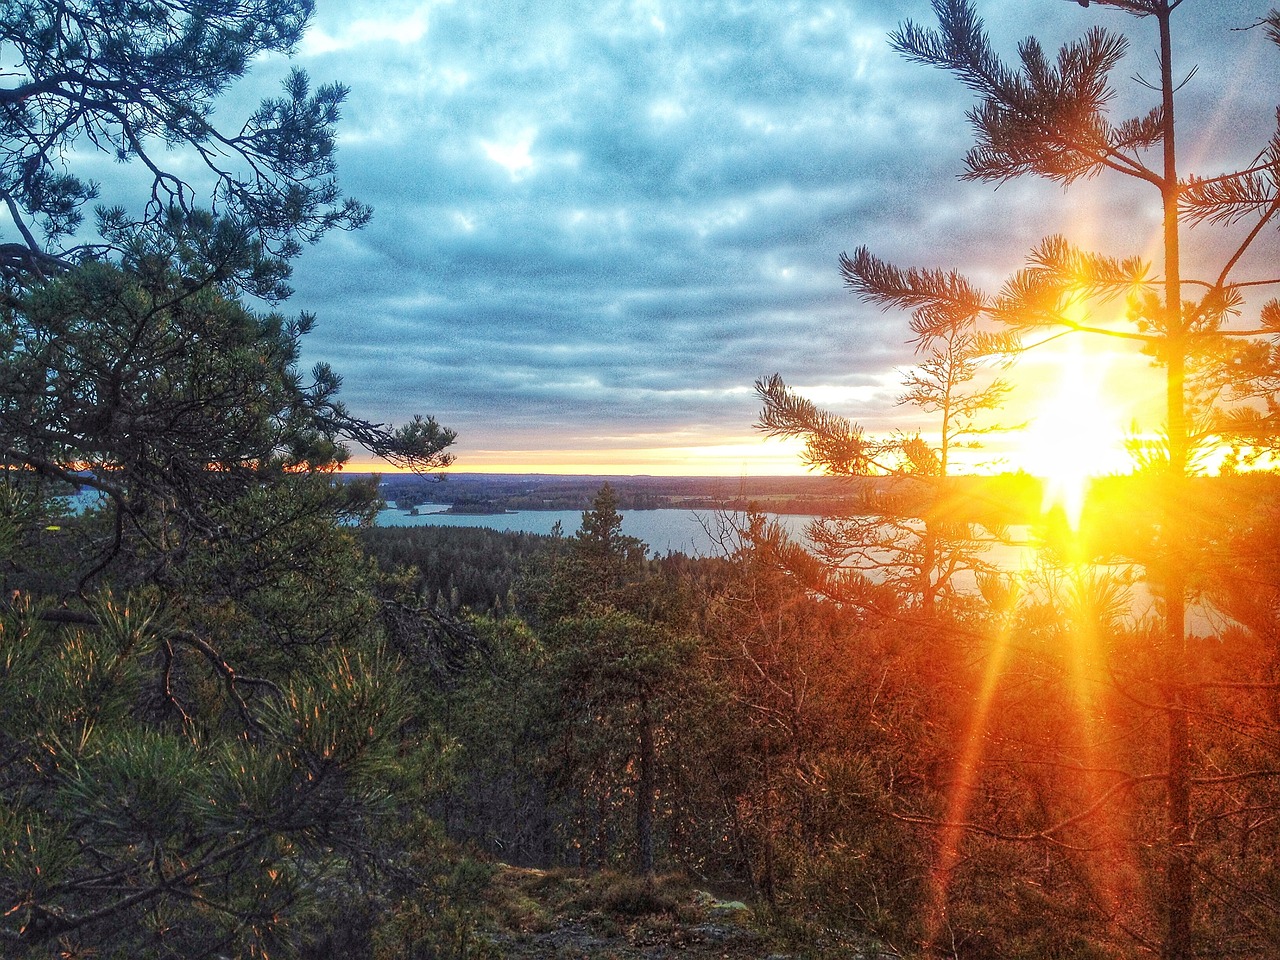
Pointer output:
1060, 276
1227, 200
939, 301
1046, 118
832, 443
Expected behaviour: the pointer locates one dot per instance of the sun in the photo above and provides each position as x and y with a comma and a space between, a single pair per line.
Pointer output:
1074, 433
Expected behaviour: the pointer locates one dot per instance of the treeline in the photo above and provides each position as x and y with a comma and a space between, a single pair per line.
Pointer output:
458, 568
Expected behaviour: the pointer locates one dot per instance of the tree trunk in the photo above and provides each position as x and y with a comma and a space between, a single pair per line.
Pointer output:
766, 878
645, 791
1179, 904
928, 561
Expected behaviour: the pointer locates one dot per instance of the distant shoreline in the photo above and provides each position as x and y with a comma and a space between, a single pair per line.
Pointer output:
1011, 498
1006, 498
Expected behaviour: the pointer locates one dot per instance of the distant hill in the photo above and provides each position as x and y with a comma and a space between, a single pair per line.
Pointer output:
1012, 495
1004, 498
560, 492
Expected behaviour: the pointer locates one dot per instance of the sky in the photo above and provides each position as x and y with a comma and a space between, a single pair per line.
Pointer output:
597, 223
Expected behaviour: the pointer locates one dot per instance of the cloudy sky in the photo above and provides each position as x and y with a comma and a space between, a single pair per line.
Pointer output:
597, 223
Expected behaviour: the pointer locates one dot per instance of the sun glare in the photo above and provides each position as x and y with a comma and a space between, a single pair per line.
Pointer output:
1074, 433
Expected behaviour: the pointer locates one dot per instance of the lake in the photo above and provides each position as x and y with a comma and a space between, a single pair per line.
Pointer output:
685, 531
665, 531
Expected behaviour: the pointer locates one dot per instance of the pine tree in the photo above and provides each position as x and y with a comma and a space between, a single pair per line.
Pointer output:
911, 531
200, 729
139, 80
1050, 117
615, 656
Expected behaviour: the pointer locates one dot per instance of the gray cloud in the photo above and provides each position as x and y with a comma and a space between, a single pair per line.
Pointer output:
602, 219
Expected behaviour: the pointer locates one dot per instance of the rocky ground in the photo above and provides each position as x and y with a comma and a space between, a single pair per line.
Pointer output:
538, 914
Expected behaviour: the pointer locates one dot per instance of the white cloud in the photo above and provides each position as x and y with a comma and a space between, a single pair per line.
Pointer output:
512, 153
393, 24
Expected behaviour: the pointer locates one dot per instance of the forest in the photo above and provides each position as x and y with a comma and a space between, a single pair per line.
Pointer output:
238, 719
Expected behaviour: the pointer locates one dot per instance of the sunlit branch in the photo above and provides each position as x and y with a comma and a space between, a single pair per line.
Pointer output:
1237, 334
1046, 835
1234, 778
1235, 813
1255, 168
1072, 327
1253, 732
1236, 284
1245, 893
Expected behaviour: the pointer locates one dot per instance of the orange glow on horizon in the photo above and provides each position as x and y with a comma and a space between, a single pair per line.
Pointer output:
734, 458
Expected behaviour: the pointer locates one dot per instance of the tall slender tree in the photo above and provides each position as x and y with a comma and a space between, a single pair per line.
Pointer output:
1051, 117
909, 530
616, 653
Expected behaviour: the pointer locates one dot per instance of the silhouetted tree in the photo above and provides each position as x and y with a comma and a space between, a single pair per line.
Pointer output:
912, 532
1051, 118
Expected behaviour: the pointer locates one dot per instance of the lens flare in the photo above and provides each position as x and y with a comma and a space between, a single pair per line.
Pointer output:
960, 795
1074, 434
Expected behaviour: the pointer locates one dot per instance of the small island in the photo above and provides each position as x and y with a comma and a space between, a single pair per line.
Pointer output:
473, 508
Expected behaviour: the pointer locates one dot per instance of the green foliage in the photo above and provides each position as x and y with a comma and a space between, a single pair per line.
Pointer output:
109, 815
157, 390
633, 896
458, 568
202, 726
599, 567
566, 726
203, 735
615, 653
439, 916
496, 797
